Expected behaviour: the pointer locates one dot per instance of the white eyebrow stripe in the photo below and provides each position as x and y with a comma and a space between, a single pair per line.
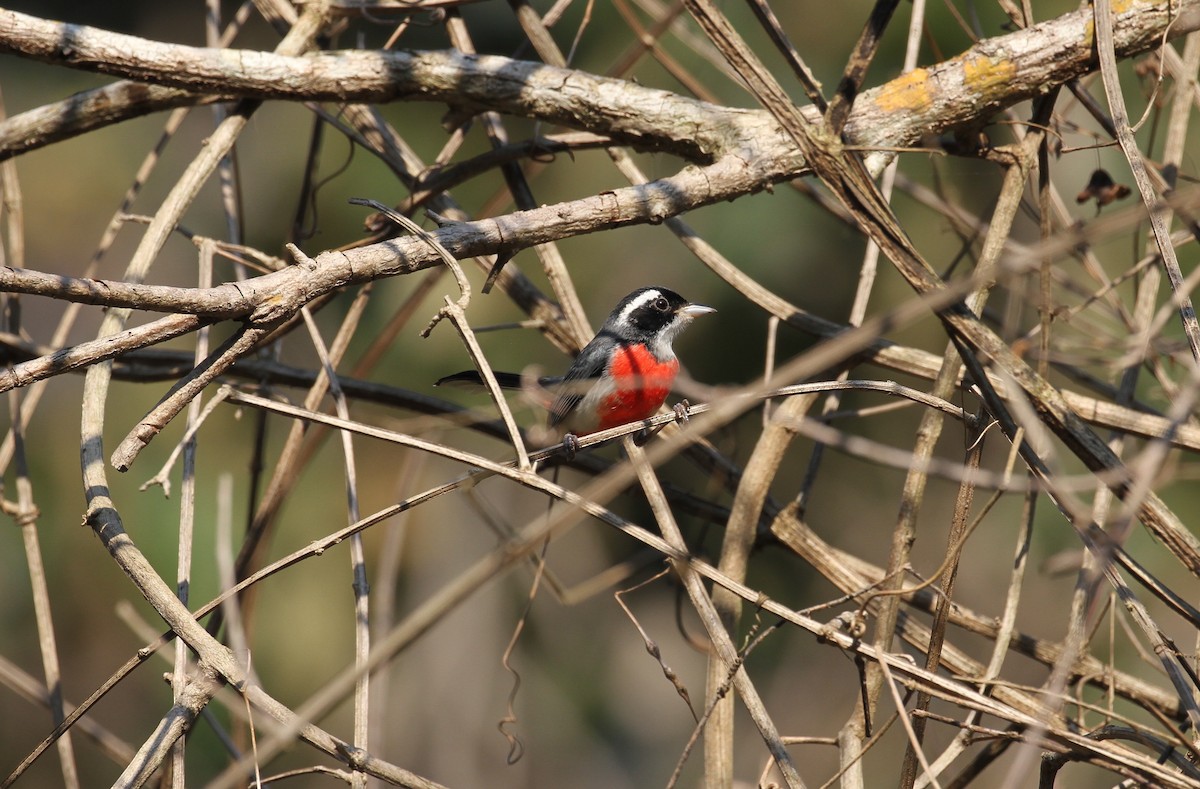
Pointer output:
641, 300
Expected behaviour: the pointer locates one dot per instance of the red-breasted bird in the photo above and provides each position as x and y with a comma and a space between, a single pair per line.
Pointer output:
624, 374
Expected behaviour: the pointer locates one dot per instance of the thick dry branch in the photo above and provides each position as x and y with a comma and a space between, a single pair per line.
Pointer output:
475, 82
997, 72
89, 110
274, 296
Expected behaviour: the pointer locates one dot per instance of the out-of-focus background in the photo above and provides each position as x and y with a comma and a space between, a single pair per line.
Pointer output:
594, 709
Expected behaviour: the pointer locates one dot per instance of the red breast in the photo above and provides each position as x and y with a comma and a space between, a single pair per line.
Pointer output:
641, 384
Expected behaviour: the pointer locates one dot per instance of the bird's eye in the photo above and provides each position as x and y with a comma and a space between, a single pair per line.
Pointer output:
661, 305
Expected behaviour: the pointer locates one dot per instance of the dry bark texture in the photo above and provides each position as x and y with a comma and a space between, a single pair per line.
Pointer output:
1000, 539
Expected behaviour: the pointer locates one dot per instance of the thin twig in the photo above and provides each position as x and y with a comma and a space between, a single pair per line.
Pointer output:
709, 615
1106, 53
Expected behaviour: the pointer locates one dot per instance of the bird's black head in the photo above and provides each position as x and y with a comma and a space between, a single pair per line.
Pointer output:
652, 316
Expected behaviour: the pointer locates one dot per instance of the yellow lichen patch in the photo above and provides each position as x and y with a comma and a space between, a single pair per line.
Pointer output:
1119, 7
981, 74
908, 92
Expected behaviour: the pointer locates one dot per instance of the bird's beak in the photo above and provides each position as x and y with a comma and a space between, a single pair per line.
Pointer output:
692, 310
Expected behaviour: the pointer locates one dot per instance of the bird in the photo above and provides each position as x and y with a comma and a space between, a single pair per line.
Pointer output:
623, 375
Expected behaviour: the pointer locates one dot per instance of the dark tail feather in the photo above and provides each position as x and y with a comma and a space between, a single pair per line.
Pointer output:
471, 378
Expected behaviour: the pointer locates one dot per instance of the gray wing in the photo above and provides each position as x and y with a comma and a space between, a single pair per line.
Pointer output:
588, 365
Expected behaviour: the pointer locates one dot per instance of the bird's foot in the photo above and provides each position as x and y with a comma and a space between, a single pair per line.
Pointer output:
682, 411
570, 444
